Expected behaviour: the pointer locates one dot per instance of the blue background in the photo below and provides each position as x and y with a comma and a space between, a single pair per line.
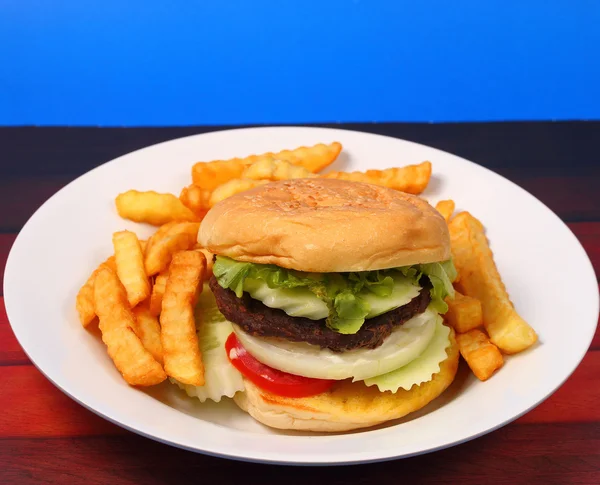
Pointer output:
134, 63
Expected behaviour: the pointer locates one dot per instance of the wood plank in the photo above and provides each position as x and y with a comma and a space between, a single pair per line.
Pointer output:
595, 345
49, 151
588, 234
32, 406
576, 400
6, 242
558, 194
518, 454
24, 195
11, 352
531, 148
56, 415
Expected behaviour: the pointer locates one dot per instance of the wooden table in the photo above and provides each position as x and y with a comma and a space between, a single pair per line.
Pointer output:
45, 437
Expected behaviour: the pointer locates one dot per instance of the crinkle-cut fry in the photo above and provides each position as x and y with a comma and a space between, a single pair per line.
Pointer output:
196, 199
233, 187
314, 158
133, 361
412, 179
182, 357
464, 313
170, 238
159, 234
152, 207
209, 175
446, 208
209, 261
270, 168
482, 356
84, 303
130, 266
158, 290
147, 328
479, 278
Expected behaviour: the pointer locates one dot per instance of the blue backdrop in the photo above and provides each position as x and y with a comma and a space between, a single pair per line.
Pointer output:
122, 62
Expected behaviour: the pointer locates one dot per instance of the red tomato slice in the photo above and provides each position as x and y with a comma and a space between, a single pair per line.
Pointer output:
269, 379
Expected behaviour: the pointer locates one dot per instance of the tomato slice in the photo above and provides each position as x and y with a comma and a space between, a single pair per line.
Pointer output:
269, 379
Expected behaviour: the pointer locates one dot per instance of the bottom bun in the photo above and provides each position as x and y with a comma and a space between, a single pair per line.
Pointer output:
348, 405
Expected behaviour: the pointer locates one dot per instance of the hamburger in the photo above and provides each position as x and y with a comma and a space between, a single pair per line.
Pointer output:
335, 290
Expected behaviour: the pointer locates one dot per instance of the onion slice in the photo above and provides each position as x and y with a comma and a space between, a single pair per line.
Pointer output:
405, 344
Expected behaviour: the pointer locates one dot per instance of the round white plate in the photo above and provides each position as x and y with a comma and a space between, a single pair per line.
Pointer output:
546, 271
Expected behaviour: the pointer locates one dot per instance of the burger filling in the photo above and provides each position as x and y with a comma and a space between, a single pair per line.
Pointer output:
259, 320
380, 326
344, 300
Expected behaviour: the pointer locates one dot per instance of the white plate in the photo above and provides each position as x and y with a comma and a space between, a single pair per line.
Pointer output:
546, 271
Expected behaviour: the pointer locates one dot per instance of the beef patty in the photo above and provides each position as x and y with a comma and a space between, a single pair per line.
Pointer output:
259, 320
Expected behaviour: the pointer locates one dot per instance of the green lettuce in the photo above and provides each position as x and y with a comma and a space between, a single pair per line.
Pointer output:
441, 283
339, 291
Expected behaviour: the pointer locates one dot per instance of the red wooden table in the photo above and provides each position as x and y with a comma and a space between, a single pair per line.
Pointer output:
45, 437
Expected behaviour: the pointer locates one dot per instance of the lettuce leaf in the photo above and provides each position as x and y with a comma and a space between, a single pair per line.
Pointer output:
420, 370
341, 292
350, 311
441, 284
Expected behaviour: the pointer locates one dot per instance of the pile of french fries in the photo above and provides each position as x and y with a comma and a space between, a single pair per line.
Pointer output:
215, 181
143, 296
481, 301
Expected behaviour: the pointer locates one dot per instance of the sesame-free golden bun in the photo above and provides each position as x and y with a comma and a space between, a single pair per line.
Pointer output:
325, 225
347, 405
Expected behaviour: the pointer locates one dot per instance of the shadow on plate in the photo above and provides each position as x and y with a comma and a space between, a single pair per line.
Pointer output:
340, 164
434, 187
226, 413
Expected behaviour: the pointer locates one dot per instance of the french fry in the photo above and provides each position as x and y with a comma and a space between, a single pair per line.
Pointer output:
233, 187
464, 313
160, 233
170, 238
195, 199
482, 356
446, 208
182, 357
412, 179
152, 208
135, 363
209, 175
130, 266
314, 158
158, 290
272, 169
479, 278
84, 303
147, 328
209, 262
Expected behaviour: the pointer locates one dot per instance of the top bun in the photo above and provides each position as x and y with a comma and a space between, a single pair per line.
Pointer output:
326, 225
